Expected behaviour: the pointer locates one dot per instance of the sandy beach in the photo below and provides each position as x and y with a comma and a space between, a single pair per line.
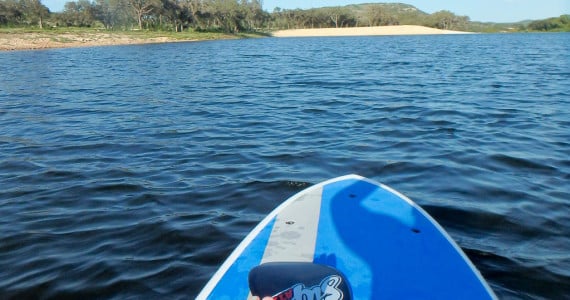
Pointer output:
365, 31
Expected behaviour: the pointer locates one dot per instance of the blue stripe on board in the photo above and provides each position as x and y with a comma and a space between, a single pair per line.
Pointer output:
331, 252
234, 284
387, 248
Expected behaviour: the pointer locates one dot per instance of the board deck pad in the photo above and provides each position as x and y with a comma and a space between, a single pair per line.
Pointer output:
384, 243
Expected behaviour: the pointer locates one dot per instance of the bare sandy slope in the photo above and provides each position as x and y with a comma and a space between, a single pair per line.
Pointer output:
363, 31
26, 41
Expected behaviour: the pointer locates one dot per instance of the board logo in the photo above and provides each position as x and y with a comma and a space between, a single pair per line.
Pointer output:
326, 290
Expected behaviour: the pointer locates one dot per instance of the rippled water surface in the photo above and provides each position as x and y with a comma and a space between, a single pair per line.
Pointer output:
131, 172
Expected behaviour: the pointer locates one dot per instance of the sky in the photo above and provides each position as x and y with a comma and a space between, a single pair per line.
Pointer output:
477, 10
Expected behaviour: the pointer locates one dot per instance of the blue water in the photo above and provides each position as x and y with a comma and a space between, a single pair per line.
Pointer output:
131, 172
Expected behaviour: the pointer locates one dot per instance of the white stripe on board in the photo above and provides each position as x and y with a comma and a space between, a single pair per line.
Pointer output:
294, 233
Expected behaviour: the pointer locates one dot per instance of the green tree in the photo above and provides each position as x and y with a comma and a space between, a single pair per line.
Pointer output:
122, 14
113, 13
543, 25
374, 15
11, 13
142, 9
103, 13
200, 15
341, 16
80, 13
443, 19
227, 15
255, 16
172, 11
35, 11
3, 14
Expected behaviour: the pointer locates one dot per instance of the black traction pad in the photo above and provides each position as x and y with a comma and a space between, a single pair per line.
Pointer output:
298, 280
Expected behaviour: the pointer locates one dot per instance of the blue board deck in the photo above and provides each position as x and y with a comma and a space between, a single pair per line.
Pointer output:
384, 243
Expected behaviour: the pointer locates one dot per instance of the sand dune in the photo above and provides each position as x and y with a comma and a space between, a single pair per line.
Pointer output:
364, 31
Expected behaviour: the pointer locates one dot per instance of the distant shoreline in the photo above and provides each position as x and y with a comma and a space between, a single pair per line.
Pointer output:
47, 40
365, 31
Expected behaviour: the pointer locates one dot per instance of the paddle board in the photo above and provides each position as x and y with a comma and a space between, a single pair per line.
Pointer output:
348, 238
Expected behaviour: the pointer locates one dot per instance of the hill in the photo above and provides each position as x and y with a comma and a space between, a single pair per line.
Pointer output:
366, 14
379, 14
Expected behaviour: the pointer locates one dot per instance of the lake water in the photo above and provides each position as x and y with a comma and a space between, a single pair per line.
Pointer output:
131, 172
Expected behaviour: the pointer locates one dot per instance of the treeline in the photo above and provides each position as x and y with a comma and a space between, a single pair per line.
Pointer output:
23, 13
234, 16
561, 23
381, 14
176, 15
221, 15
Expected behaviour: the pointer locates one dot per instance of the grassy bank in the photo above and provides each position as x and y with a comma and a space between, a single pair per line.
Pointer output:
33, 38
139, 34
